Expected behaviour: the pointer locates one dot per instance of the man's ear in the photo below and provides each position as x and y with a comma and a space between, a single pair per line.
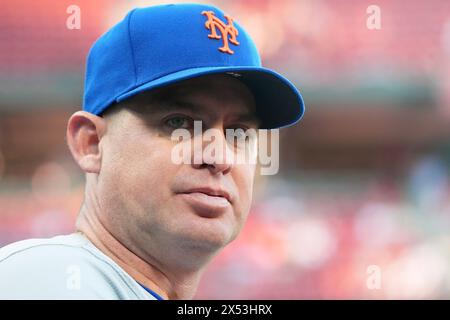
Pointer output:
84, 133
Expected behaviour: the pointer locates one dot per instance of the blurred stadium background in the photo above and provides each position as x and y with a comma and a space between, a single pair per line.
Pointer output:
364, 179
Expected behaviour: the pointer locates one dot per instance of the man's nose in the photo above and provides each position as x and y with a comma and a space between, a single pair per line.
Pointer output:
212, 151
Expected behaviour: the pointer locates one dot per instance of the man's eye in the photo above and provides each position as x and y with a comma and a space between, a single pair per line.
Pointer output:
179, 122
238, 137
239, 131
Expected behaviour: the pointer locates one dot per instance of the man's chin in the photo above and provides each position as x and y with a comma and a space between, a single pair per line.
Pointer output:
206, 235
202, 230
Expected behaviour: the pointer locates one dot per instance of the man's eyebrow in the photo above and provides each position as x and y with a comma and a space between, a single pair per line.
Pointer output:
182, 104
247, 117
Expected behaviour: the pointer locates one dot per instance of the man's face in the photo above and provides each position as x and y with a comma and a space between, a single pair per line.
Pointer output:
149, 200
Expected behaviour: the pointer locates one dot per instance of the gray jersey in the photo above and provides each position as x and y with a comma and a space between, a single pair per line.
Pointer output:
63, 267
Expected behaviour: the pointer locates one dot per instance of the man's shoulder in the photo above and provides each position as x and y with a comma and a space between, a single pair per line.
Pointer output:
60, 244
67, 266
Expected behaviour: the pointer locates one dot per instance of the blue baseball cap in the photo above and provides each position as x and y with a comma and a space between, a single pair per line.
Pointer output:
161, 45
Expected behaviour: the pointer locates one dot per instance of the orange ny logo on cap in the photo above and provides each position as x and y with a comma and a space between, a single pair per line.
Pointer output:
226, 30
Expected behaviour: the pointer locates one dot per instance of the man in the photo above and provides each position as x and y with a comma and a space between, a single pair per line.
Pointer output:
148, 226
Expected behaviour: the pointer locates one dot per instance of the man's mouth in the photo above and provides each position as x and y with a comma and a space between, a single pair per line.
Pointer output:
211, 192
208, 202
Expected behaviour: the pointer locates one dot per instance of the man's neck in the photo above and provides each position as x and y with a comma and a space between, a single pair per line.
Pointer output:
168, 286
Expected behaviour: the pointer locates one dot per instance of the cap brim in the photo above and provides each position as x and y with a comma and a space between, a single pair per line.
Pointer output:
278, 102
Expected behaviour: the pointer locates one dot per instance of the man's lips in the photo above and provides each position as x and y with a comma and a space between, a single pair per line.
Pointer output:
210, 192
207, 202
